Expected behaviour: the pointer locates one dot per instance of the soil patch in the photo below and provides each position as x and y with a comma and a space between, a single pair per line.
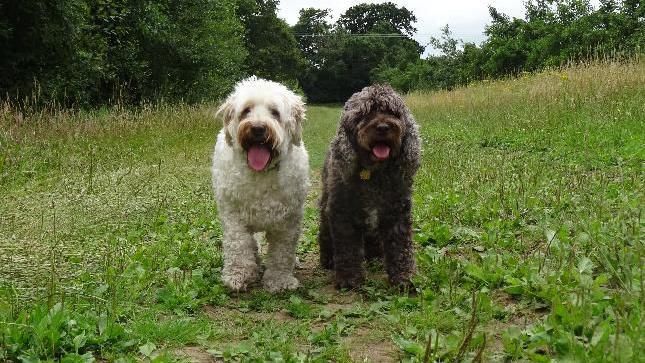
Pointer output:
195, 355
370, 345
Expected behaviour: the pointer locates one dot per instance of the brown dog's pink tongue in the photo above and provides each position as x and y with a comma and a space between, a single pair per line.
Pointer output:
258, 157
381, 151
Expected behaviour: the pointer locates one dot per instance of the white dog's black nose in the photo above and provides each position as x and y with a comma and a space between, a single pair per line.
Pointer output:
258, 130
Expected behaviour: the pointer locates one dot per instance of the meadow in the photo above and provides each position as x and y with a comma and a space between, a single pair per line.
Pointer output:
527, 217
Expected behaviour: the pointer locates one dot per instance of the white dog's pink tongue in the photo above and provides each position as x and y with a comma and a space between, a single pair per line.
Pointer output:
381, 151
258, 157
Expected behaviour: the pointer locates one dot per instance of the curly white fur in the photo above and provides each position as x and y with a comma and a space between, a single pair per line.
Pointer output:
270, 201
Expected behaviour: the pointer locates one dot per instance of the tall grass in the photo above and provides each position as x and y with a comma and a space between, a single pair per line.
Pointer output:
543, 177
527, 218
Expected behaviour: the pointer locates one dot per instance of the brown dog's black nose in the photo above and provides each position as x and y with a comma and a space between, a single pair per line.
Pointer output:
258, 130
383, 128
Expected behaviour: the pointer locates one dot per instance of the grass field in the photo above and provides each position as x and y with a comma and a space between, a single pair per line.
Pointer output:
527, 216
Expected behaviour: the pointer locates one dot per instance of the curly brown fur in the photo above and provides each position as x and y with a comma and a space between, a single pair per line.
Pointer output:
363, 218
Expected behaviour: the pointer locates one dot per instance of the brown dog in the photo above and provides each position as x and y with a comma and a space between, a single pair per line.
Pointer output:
365, 209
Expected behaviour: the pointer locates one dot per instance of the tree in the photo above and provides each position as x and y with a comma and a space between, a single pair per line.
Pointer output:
632, 28
454, 66
194, 49
552, 33
94, 52
273, 49
312, 32
349, 55
387, 17
40, 42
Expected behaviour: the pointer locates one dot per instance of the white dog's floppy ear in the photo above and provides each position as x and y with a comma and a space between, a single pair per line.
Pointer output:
298, 116
226, 111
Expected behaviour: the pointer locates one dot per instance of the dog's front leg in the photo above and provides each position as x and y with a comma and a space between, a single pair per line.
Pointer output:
281, 257
240, 256
344, 217
396, 230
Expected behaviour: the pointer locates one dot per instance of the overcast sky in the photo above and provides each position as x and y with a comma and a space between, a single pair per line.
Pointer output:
466, 18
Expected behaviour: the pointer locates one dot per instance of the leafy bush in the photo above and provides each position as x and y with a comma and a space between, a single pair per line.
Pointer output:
95, 52
357, 50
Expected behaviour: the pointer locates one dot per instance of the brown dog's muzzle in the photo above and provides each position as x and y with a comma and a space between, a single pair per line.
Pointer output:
381, 137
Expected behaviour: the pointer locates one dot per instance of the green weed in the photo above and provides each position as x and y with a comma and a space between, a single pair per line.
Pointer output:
527, 218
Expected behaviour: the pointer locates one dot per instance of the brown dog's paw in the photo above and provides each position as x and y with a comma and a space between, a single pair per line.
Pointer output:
404, 285
407, 287
349, 280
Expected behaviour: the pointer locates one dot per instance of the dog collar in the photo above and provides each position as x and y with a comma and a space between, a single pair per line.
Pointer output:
365, 174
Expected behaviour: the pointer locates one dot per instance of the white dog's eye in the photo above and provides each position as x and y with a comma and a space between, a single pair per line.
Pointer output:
245, 112
275, 113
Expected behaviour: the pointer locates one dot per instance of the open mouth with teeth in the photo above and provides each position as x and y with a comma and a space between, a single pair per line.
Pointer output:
381, 151
258, 157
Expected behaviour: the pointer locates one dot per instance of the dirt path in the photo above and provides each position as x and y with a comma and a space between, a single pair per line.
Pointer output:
363, 340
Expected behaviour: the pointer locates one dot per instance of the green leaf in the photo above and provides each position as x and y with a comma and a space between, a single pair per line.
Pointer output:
599, 334
101, 289
409, 346
585, 266
295, 300
78, 358
147, 349
79, 341
476, 272
102, 323
29, 359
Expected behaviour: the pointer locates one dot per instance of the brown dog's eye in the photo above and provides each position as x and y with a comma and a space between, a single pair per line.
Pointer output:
275, 113
245, 112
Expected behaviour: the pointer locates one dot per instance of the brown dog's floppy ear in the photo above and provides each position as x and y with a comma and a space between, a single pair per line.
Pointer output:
298, 115
356, 108
226, 111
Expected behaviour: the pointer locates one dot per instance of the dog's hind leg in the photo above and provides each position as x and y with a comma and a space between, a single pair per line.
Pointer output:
240, 257
281, 258
344, 217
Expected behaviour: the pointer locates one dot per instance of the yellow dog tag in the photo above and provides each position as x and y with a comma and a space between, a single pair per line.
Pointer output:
365, 174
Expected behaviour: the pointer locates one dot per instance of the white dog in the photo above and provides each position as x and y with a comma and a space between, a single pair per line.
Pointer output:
260, 179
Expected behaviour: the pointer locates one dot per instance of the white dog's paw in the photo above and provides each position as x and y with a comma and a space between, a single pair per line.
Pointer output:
275, 281
239, 279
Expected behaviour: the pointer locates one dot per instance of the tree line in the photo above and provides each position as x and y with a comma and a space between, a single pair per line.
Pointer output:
85, 53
